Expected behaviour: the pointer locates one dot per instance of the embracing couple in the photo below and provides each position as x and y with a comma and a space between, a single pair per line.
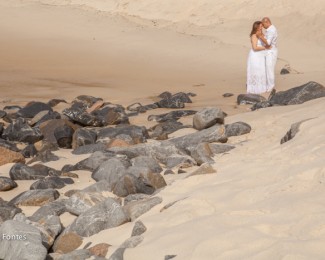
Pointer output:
262, 58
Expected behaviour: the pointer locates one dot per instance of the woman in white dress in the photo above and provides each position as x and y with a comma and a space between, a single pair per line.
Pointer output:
256, 70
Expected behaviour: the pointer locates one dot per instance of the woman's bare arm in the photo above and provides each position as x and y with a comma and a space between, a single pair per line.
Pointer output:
254, 44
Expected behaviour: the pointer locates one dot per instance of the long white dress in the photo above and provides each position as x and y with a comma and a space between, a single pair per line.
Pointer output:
256, 71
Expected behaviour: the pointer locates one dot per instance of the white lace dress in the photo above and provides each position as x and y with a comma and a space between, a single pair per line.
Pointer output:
256, 71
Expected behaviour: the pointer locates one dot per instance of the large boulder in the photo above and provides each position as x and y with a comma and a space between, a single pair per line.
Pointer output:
21, 241
137, 208
81, 201
21, 171
299, 95
55, 208
52, 182
208, 117
105, 215
35, 197
111, 170
215, 133
147, 161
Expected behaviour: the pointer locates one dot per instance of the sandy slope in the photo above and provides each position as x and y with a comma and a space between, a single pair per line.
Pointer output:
266, 201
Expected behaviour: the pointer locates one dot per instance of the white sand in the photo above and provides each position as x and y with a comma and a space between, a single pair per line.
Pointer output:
266, 201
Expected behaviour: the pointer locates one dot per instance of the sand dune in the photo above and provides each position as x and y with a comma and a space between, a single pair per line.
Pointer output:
266, 200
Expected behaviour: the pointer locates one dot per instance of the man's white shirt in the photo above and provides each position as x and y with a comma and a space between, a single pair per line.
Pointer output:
272, 36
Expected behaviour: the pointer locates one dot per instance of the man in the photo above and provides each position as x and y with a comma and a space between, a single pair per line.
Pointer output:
270, 39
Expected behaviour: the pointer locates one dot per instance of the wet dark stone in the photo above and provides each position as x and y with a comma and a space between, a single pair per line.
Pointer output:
228, 95
32, 109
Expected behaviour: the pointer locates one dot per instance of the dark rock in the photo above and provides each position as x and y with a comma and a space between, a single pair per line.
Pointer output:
294, 129
215, 133
44, 156
1, 129
148, 177
90, 148
228, 95
244, 99
7, 184
8, 145
67, 243
173, 115
83, 136
55, 208
138, 229
11, 109
111, 170
299, 95
77, 113
86, 100
81, 201
166, 128
112, 115
147, 161
7, 211
21, 171
9, 156
139, 134
202, 154
139, 108
35, 197
238, 128
55, 101
52, 126
130, 184
2, 113
137, 208
284, 71
49, 227
63, 136
32, 109
96, 159
69, 193
105, 215
168, 257
20, 131
181, 161
208, 117
51, 183
29, 151
221, 148
262, 104
45, 116
28, 247
205, 168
